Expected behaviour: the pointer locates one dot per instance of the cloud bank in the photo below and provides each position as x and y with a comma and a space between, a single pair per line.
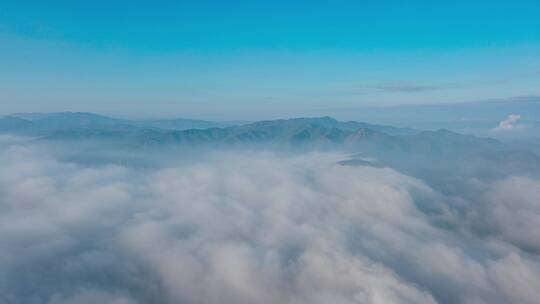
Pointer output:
258, 227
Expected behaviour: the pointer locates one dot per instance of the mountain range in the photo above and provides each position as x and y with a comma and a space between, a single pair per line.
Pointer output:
442, 158
48, 123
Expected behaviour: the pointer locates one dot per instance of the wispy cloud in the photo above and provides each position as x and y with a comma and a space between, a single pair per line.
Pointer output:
390, 87
406, 87
510, 123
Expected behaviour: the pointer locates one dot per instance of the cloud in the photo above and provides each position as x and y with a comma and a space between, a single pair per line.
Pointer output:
85, 296
512, 211
406, 88
517, 279
256, 227
510, 123
398, 87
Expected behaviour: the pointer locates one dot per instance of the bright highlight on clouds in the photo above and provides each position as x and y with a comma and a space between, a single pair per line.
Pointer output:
510, 123
257, 227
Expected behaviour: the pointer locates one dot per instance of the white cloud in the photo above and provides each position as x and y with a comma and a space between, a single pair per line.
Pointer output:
510, 123
512, 210
517, 279
249, 228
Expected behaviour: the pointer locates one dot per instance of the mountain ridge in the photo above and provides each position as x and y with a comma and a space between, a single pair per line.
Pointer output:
61, 121
70, 120
443, 158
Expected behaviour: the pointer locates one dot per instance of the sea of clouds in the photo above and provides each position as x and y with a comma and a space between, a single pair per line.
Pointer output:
258, 227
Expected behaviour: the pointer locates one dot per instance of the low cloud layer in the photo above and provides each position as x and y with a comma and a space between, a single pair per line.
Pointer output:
258, 227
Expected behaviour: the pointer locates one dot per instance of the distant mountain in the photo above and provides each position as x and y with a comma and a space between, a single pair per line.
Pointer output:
67, 119
181, 124
35, 124
448, 161
42, 123
444, 159
386, 142
10, 124
329, 122
47, 123
323, 132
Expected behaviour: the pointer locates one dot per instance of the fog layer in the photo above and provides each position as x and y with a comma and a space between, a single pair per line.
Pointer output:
258, 227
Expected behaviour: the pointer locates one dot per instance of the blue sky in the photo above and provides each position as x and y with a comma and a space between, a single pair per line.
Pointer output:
250, 59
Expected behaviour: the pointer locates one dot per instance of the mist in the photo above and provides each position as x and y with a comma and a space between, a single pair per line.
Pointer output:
257, 226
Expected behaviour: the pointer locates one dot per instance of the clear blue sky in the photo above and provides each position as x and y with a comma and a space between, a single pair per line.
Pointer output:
249, 59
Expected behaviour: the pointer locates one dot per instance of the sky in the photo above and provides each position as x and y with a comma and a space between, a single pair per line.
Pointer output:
251, 59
